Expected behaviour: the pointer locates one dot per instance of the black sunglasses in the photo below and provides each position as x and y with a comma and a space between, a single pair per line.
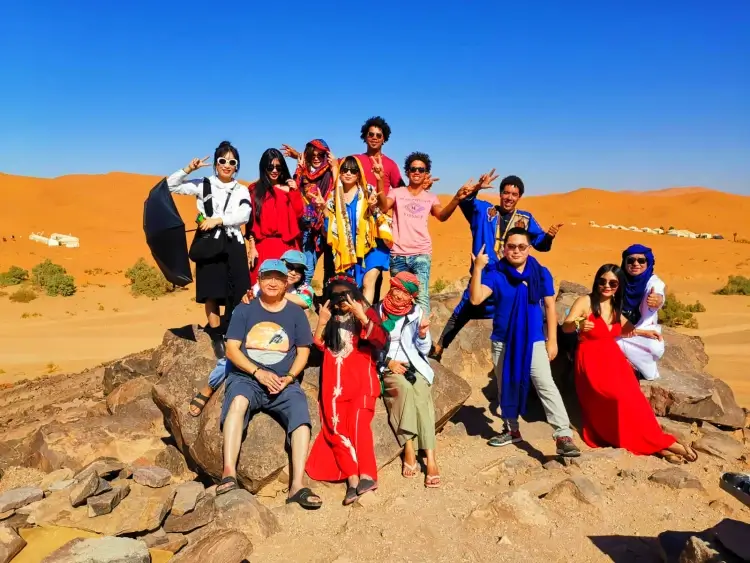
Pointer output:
374, 135
419, 169
272, 167
223, 161
632, 260
346, 169
295, 268
613, 284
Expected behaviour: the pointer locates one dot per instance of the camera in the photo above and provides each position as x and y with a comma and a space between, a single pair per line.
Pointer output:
339, 298
411, 374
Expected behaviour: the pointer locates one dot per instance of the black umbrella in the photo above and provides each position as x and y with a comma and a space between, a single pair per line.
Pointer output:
165, 235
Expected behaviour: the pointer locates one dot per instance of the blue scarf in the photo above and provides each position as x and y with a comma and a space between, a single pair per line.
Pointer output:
635, 286
519, 345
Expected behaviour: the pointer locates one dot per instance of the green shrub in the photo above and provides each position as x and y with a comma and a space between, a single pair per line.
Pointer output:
60, 284
23, 295
737, 285
439, 285
147, 280
44, 271
13, 276
676, 313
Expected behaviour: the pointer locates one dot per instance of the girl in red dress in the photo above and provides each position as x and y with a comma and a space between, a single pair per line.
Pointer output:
348, 332
277, 208
615, 411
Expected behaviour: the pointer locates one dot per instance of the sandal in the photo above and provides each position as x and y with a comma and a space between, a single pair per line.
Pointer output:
351, 496
673, 458
409, 471
690, 454
366, 485
199, 402
302, 497
227, 484
432, 481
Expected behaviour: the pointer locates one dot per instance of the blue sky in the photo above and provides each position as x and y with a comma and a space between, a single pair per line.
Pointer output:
615, 95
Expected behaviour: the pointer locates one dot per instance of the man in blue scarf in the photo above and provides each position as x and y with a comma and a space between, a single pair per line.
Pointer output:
519, 285
489, 224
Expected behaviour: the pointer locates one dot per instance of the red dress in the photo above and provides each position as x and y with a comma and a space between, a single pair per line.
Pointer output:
615, 411
278, 228
349, 389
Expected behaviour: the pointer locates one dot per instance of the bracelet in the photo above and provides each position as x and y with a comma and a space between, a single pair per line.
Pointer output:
290, 374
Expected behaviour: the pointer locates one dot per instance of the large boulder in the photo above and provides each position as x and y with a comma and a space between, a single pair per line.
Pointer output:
684, 390
130, 367
184, 360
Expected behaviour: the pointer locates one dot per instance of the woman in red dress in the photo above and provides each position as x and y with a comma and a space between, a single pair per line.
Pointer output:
348, 332
615, 411
277, 208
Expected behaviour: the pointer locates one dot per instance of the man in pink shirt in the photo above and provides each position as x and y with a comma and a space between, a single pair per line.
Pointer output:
375, 133
412, 205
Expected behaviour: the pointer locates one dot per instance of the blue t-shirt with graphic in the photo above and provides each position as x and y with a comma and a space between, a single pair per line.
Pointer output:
270, 339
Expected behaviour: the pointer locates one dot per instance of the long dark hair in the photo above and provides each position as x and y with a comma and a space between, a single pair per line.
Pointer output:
263, 185
616, 298
223, 148
331, 335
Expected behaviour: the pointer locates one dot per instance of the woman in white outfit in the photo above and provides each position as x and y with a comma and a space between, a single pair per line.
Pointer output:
644, 296
224, 279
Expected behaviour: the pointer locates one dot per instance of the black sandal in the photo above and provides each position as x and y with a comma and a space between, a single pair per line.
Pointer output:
196, 402
366, 485
302, 497
229, 484
351, 496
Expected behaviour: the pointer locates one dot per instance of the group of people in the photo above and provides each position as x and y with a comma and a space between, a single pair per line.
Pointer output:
359, 215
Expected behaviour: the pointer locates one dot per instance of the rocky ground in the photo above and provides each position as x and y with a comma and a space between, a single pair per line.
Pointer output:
108, 460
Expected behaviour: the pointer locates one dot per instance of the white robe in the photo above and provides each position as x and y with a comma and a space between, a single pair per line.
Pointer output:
644, 352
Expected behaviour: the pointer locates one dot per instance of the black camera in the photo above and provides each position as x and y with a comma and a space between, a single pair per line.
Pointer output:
339, 298
411, 374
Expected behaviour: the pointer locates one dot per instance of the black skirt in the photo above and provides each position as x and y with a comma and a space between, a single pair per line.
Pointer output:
226, 278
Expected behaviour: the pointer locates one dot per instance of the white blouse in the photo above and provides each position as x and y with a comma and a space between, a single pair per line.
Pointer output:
238, 205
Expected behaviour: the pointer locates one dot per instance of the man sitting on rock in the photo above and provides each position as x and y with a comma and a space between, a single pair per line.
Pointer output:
268, 343
519, 284
489, 223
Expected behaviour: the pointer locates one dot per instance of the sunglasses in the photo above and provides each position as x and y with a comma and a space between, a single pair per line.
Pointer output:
374, 135
272, 167
613, 284
317, 154
295, 268
418, 169
519, 247
633, 260
345, 169
224, 161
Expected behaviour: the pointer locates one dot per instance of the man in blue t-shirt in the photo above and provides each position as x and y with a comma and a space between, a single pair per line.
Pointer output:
521, 355
268, 343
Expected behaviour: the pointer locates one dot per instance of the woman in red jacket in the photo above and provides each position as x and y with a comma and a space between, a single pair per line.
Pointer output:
277, 208
348, 333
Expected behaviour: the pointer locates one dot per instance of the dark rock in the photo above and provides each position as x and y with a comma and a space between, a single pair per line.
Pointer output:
721, 445
84, 488
676, 478
203, 513
225, 547
173, 461
106, 503
130, 367
102, 487
167, 542
185, 358
129, 392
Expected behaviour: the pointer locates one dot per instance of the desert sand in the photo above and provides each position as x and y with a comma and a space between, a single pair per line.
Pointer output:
103, 321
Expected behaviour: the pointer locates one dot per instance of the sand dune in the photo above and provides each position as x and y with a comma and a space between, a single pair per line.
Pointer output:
105, 211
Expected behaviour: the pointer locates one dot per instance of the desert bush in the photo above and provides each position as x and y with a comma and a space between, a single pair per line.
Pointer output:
737, 285
13, 276
23, 295
147, 280
439, 285
44, 271
60, 284
676, 313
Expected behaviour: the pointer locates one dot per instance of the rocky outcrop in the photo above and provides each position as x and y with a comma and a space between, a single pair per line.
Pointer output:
226, 547
130, 367
184, 360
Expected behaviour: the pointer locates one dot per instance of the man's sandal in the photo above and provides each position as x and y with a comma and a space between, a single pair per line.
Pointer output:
199, 402
302, 497
227, 484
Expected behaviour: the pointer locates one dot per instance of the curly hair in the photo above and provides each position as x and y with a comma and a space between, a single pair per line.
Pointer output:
424, 157
378, 122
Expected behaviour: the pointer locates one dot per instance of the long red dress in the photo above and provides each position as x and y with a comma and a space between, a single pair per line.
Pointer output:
278, 228
615, 411
349, 389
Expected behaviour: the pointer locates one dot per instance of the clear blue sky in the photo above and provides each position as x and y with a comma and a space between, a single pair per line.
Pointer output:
616, 95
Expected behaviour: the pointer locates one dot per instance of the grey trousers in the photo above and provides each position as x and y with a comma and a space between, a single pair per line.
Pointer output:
541, 377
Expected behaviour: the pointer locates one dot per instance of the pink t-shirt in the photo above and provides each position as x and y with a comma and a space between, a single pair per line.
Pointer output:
410, 213
392, 174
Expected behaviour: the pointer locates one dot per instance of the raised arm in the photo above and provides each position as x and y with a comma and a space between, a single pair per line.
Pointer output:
384, 202
478, 292
470, 188
178, 182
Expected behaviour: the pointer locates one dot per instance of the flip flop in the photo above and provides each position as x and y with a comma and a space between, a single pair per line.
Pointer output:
366, 485
302, 497
196, 402
228, 484
351, 496
674, 459
692, 455
432, 481
409, 471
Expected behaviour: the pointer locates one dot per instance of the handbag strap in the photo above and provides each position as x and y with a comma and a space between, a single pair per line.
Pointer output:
208, 205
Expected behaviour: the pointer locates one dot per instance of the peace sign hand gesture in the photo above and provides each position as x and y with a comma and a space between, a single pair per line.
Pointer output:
481, 259
466, 190
197, 163
428, 181
317, 199
377, 167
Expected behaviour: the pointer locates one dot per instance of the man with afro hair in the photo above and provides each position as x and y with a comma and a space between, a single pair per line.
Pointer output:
375, 133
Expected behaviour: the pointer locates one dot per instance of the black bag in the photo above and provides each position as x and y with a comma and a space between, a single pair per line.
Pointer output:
207, 245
